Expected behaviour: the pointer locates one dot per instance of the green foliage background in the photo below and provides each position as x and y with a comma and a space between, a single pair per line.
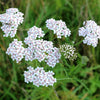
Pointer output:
78, 80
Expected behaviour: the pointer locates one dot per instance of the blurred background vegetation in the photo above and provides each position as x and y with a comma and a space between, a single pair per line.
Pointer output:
78, 80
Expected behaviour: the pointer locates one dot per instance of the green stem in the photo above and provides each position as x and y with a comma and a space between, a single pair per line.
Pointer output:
65, 79
14, 72
93, 53
78, 43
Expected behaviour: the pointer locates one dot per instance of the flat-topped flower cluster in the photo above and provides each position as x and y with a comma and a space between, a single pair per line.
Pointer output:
16, 50
42, 50
10, 21
91, 32
59, 27
39, 77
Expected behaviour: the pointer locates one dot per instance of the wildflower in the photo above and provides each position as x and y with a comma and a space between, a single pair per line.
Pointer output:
59, 27
42, 50
68, 51
16, 50
10, 21
91, 32
34, 33
39, 77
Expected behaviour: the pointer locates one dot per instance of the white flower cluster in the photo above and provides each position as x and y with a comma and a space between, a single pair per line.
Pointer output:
59, 27
35, 33
39, 77
91, 32
42, 50
16, 50
10, 21
68, 51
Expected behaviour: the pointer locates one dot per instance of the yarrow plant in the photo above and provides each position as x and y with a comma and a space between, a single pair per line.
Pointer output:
91, 32
39, 77
34, 33
43, 50
59, 27
16, 50
10, 21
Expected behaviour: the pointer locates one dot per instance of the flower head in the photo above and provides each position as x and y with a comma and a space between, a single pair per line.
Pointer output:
39, 77
34, 33
42, 50
91, 32
16, 50
59, 27
10, 21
